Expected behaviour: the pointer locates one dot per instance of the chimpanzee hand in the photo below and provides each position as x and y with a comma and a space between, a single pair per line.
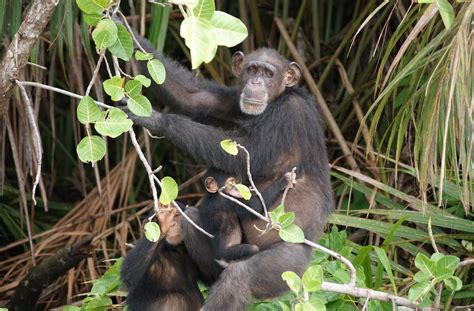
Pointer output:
170, 225
151, 123
291, 179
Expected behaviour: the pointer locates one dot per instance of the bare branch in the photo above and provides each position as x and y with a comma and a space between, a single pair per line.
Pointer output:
17, 54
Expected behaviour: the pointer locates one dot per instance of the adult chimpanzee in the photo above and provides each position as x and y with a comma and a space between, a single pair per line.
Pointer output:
223, 222
280, 126
161, 276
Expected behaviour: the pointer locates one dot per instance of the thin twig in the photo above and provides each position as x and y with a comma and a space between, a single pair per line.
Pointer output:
96, 72
35, 139
131, 32
249, 175
58, 90
133, 138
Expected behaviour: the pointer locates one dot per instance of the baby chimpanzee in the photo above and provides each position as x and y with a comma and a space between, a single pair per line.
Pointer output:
160, 276
221, 221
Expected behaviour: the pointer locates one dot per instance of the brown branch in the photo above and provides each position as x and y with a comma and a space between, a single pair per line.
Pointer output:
17, 54
30, 288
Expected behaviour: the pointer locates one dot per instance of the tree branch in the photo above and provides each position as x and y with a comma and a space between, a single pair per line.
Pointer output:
17, 54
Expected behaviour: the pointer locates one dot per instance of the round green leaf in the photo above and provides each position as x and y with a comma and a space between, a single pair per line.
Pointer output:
123, 47
139, 55
293, 281
276, 213
157, 71
143, 80
313, 278
133, 87
114, 124
92, 19
204, 9
229, 30
88, 111
139, 105
286, 219
92, 6
230, 146
114, 87
453, 283
91, 149
200, 38
169, 190
292, 234
314, 304
244, 191
105, 34
152, 231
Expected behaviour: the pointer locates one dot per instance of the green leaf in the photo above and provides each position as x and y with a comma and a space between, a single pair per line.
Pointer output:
292, 234
152, 231
96, 303
91, 149
105, 34
143, 80
67, 308
453, 283
276, 213
314, 304
200, 38
313, 278
133, 87
190, 3
448, 262
230, 146
114, 124
157, 71
139, 105
88, 111
229, 30
293, 281
139, 55
92, 19
244, 191
446, 11
92, 6
420, 276
382, 255
419, 290
110, 281
114, 87
286, 219
423, 263
169, 190
123, 47
204, 9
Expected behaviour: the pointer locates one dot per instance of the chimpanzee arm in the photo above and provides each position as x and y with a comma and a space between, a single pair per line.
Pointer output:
198, 140
192, 95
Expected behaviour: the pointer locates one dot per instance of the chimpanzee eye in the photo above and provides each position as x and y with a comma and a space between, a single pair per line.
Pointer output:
251, 70
268, 73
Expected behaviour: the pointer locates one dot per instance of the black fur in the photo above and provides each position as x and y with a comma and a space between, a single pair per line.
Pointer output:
224, 223
288, 133
160, 277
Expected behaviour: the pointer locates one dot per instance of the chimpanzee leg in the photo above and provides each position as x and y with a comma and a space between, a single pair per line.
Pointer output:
258, 277
199, 246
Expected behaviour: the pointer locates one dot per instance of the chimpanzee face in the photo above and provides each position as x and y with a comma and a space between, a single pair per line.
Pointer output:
263, 76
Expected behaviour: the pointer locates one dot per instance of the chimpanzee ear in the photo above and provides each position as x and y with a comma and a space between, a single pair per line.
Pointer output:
293, 74
237, 61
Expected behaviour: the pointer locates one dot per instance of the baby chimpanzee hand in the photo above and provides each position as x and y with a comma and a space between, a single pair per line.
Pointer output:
170, 225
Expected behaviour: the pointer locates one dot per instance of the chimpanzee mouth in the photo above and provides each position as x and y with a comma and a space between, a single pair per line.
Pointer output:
252, 106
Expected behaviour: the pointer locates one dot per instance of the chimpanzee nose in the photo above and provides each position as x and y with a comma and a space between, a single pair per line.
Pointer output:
257, 82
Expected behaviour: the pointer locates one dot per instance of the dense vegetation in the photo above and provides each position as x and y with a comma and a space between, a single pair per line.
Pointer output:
397, 79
